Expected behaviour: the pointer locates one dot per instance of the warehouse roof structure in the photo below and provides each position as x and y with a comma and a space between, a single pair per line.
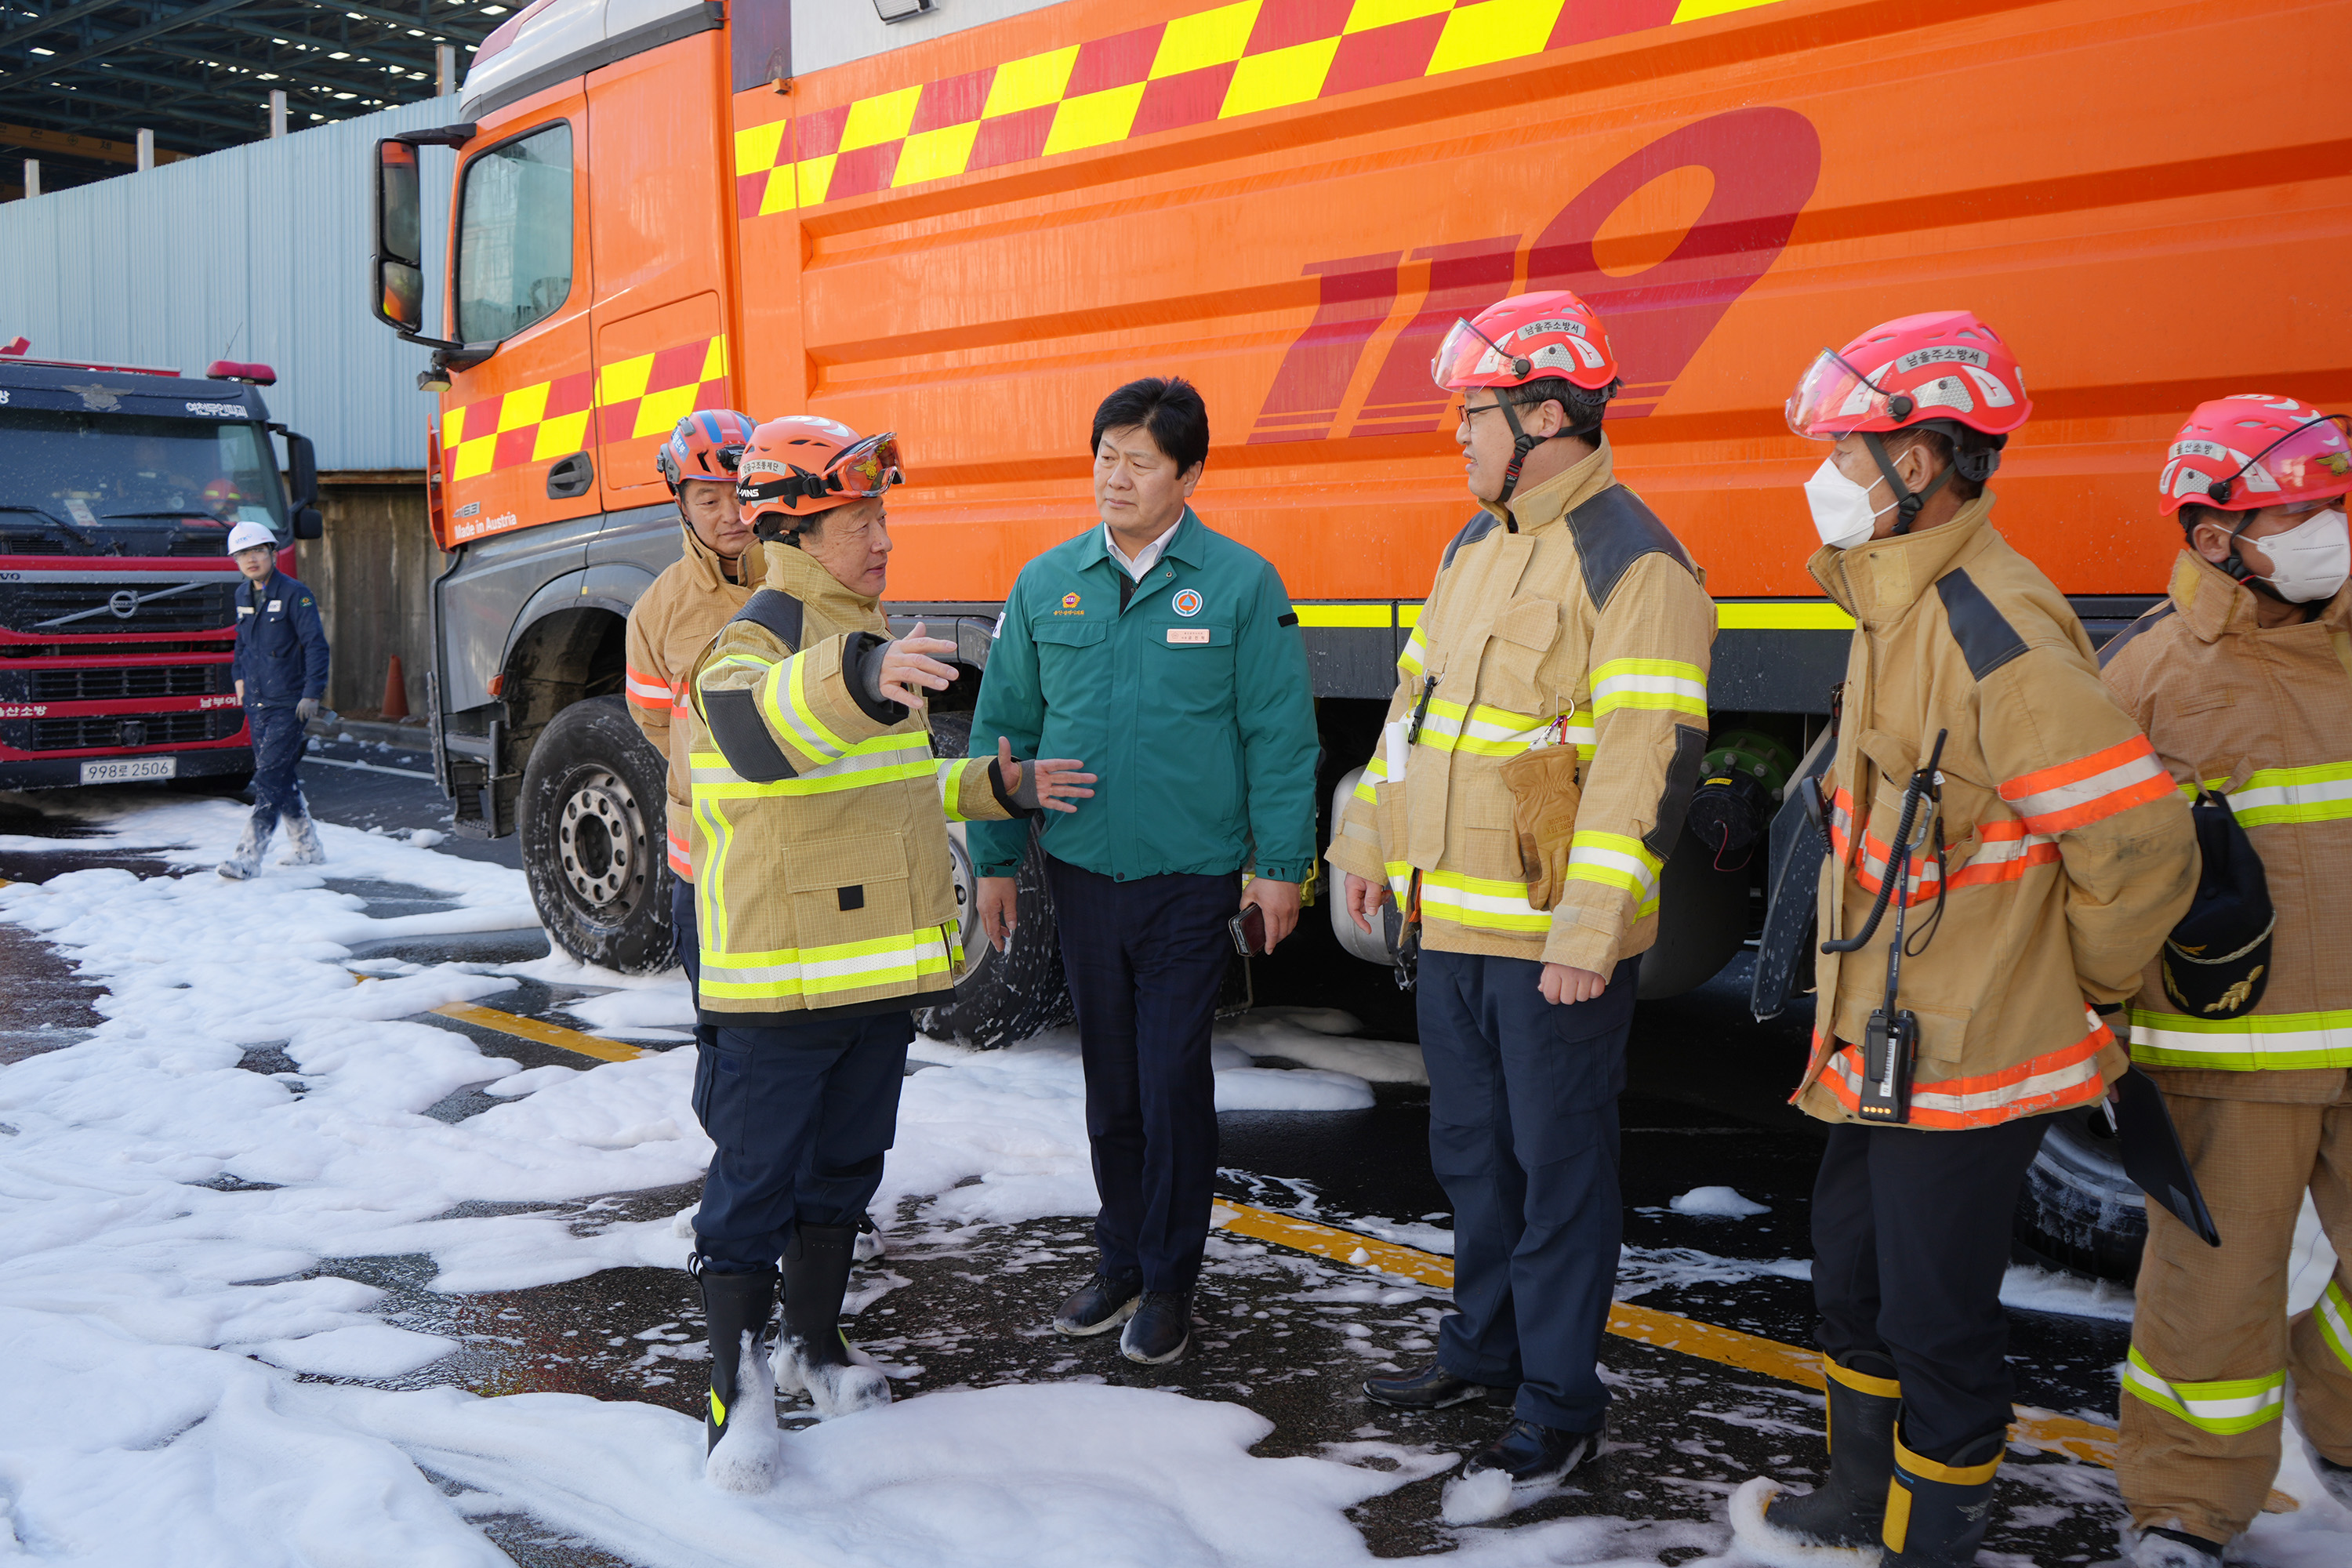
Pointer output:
80, 79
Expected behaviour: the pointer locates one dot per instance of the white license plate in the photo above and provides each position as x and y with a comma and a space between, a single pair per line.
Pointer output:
130, 768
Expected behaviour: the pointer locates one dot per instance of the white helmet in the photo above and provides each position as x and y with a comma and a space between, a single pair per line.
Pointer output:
246, 535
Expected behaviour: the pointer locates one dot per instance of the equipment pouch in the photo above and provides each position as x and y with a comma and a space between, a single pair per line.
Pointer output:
1544, 798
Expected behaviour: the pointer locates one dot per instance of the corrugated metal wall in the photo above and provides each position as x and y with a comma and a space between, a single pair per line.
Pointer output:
265, 245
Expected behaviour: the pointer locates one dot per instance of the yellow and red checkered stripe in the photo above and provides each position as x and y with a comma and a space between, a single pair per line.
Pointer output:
644, 395
1215, 64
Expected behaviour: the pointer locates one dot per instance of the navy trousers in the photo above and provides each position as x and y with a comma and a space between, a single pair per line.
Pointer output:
1523, 1137
686, 944
802, 1116
1910, 1241
1145, 960
278, 741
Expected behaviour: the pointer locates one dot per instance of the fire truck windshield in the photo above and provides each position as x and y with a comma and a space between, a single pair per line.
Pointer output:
80, 480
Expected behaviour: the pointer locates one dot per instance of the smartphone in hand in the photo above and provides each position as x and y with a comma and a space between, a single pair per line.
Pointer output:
1248, 928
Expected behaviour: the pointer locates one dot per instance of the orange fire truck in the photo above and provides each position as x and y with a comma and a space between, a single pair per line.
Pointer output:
967, 224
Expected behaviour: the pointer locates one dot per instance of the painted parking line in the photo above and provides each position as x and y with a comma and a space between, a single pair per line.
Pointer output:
546, 1034
2043, 1429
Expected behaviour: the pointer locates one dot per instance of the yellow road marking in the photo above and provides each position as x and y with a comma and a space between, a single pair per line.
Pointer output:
2077, 1439
546, 1034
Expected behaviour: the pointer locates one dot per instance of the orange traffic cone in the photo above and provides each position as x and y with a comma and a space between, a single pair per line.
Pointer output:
395, 692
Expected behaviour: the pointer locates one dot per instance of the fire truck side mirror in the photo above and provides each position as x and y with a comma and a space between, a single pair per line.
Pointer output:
302, 471
308, 523
399, 238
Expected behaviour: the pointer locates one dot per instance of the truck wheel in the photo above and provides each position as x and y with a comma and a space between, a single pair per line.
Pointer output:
1003, 997
593, 813
2079, 1211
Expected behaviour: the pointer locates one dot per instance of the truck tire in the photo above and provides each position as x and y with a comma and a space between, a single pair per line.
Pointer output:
1003, 997
593, 814
2078, 1211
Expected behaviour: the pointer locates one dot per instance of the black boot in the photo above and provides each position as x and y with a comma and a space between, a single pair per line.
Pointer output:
1430, 1387
817, 1359
1161, 1329
1101, 1304
733, 1305
1847, 1511
1534, 1455
1937, 1514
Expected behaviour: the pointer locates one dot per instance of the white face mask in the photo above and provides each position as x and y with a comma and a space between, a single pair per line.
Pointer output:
2310, 559
1842, 510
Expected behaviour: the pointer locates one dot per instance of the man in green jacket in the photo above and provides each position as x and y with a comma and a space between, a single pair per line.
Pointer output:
1172, 654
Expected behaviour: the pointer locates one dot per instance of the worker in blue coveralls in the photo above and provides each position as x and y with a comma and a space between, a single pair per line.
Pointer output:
1171, 652
282, 676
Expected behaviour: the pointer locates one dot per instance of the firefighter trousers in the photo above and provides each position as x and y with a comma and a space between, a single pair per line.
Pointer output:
686, 940
802, 1116
1522, 1138
1911, 1235
2213, 1353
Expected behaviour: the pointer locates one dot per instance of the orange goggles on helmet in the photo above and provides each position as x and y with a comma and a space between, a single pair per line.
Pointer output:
861, 472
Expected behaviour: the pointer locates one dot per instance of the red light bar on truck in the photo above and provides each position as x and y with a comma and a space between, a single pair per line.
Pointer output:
234, 370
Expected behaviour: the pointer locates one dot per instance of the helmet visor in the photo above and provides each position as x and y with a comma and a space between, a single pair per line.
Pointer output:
2308, 463
1833, 399
868, 469
1465, 352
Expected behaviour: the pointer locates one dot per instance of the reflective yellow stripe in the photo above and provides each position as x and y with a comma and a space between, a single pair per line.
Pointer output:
2265, 1042
2224, 1408
1614, 861
1782, 616
1379, 616
2333, 1312
951, 788
717, 1408
1410, 661
819, 971
1656, 683
1376, 772
2271, 796
1948, 1475
1863, 1383
1478, 903
886, 759
1488, 732
710, 886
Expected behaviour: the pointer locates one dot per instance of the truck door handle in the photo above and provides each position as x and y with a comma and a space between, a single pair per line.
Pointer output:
571, 477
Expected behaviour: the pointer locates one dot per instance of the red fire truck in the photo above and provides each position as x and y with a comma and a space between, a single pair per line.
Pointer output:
118, 601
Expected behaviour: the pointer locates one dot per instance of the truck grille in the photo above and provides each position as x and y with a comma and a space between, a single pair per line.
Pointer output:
153, 730
201, 607
138, 681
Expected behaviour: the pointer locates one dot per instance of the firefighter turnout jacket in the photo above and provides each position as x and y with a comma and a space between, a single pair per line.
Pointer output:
669, 625
822, 870
2265, 717
2067, 853
1573, 617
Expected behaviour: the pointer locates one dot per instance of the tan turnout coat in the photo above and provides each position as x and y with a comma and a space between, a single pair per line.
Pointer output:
2068, 852
669, 625
1572, 616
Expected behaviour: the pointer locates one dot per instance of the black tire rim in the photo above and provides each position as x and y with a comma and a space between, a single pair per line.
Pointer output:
600, 843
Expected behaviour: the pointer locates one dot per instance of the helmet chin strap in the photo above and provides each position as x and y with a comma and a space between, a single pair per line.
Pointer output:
1907, 501
1522, 444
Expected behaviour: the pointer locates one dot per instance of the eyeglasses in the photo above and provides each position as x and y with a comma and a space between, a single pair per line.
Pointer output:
1470, 413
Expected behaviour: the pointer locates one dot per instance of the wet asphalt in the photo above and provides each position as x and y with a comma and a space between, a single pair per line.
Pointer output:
1288, 1335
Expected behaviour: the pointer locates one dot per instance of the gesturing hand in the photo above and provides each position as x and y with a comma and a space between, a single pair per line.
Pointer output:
1055, 780
909, 670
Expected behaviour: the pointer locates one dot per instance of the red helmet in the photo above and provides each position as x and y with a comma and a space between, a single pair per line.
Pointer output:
805, 464
2247, 451
222, 496
707, 445
1526, 338
1944, 365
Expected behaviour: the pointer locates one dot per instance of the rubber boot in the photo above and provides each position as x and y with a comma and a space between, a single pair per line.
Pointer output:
246, 862
1842, 1518
1937, 1514
302, 845
814, 1357
739, 1426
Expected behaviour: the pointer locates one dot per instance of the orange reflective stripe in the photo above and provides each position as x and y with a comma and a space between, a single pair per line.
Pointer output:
2089, 789
647, 690
681, 861
2055, 1081
2009, 852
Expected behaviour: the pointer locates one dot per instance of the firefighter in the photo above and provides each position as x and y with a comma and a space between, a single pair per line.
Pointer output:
2050, 854
826, 913
673, 621
280, 668
2240, 679
1567, 631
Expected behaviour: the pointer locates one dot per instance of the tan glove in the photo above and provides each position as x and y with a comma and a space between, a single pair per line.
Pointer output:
1544, 796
